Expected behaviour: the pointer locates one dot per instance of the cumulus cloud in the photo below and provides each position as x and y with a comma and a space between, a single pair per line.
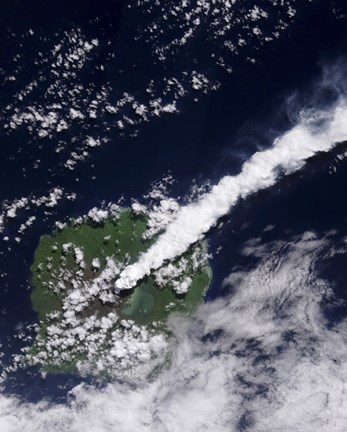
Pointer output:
259, 360
317, 131
262, 359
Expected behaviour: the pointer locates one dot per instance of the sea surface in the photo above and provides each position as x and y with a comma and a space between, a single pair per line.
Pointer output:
205, 141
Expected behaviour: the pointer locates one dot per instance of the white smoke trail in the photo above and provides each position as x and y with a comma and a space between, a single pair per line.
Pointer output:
318, 132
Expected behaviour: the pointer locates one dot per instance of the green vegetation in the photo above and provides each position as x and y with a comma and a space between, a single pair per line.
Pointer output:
77, 255
148, 303
112, 238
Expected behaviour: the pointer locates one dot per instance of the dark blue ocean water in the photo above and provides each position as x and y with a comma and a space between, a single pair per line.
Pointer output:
205, 141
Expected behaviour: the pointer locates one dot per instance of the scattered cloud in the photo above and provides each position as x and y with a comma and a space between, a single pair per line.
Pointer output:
262, 359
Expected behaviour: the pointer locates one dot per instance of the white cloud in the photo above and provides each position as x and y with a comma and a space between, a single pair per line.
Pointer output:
316, 132
263, 356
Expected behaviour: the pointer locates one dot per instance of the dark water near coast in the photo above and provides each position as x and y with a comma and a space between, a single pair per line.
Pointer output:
206, 141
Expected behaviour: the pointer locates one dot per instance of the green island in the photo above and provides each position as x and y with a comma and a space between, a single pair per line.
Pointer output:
82, 321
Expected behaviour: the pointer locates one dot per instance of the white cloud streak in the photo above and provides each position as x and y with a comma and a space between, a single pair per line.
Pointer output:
317, 132
261, 360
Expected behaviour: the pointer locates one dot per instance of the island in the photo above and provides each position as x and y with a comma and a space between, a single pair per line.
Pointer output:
85, 326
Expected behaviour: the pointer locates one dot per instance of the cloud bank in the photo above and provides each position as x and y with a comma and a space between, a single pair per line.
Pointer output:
317, 131
260, 360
